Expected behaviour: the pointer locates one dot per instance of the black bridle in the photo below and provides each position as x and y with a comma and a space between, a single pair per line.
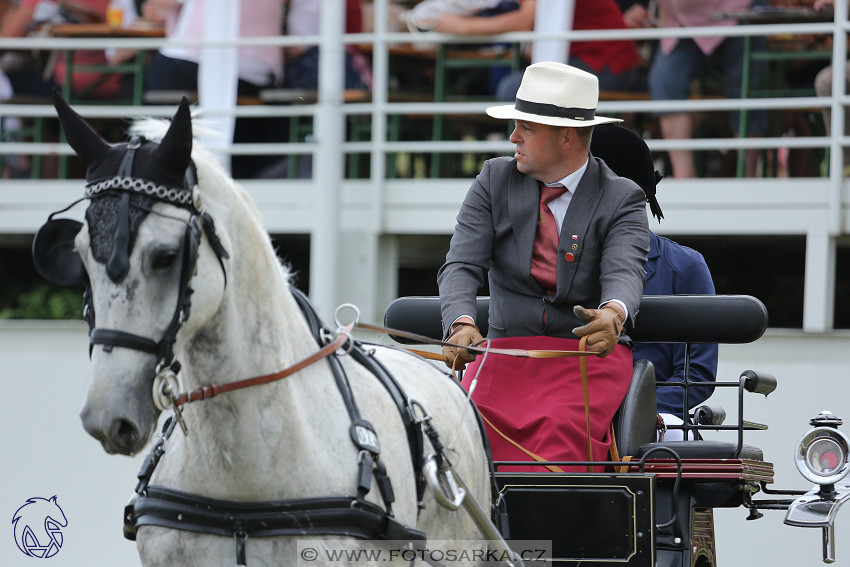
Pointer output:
58, 262
199, 223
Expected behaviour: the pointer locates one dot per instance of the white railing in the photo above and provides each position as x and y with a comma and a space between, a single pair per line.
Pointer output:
379, 207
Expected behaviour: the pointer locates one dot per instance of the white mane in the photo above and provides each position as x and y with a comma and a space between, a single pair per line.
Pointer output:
155, 128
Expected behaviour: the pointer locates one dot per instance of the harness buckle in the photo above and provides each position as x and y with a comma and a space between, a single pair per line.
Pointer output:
165, 387
443, 484
417, 417
345, 330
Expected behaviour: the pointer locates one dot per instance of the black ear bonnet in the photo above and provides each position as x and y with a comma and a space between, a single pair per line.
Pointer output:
627, 154
123, 182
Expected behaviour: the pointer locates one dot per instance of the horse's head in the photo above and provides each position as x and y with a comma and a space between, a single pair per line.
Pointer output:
136, 254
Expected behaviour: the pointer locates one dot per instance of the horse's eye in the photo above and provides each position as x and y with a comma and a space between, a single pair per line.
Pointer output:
164, 260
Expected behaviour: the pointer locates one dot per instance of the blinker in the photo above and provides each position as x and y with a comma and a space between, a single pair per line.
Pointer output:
54, 255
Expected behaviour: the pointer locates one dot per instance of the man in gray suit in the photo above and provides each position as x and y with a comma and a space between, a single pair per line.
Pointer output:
604, 235
595, 269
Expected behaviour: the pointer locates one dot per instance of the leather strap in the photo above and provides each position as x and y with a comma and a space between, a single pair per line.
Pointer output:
582, 363
206, 392
538, 458
522, 353
614, 454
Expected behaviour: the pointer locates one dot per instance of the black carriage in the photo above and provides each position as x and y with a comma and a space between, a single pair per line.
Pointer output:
655, 506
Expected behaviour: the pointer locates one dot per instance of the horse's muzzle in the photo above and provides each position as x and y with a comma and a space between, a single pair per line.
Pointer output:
117, 435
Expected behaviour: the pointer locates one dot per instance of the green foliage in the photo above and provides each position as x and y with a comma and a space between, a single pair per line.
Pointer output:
43, 302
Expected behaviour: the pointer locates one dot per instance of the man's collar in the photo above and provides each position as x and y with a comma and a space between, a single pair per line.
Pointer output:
571, 180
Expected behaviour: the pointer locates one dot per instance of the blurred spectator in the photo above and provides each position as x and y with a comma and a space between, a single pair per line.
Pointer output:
679, 61
175, 68
636, 13
614, 62
823, 87
19, 21
302, 62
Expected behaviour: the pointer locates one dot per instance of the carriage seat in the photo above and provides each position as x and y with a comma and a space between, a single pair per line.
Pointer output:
702, 449
634, 422
730, 319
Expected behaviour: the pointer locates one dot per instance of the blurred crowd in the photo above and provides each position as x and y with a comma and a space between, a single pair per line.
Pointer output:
669, 69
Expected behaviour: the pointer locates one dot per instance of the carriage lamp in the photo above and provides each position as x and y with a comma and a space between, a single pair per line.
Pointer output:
823, 454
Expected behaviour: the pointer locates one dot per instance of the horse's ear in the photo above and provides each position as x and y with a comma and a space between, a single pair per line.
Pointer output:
174, 153
81, 136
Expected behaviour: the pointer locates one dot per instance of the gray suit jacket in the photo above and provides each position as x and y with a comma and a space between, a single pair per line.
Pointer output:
495, 234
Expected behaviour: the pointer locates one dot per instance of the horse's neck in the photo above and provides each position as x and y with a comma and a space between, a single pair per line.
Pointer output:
258, 330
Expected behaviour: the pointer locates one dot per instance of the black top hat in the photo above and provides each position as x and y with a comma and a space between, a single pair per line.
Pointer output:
627, 154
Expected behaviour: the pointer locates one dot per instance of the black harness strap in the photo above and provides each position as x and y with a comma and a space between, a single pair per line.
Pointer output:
411, 426
343, 516
414, 432
110, 338
346, 516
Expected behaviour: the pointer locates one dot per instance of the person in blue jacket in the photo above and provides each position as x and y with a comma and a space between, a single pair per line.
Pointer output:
670, 269
675, 269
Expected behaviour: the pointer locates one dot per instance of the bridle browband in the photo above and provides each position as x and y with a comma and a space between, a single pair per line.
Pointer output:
200, 222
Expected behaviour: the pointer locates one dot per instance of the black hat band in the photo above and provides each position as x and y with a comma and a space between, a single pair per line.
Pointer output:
544, 109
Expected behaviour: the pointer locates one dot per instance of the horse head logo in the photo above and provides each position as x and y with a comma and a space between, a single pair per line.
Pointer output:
38, 527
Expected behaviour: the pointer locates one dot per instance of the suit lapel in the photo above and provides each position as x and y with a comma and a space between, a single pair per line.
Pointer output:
583, 204
523, 209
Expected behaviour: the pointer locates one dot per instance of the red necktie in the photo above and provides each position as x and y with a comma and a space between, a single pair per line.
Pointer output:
544, 257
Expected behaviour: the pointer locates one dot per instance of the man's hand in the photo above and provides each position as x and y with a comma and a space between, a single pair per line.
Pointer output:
603, 327
463, 334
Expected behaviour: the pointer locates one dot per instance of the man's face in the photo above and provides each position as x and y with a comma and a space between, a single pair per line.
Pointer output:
539, 150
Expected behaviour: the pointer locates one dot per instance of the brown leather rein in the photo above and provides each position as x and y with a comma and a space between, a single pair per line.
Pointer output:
521, 353
213, 390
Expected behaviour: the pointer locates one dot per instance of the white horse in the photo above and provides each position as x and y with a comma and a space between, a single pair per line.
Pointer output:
150, 258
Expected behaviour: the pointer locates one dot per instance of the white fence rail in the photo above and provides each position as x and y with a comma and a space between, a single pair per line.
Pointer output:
354, 221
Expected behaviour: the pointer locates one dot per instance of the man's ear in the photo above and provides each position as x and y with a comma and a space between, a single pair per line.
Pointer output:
569, 137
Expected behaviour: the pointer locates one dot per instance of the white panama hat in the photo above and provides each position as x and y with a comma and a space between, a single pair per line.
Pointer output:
555, 94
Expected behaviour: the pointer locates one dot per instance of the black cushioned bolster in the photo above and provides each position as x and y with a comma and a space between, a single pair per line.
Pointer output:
421, 315
731, 319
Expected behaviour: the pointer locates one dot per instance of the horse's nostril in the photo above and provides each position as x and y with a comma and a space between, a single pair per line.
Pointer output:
124, 433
